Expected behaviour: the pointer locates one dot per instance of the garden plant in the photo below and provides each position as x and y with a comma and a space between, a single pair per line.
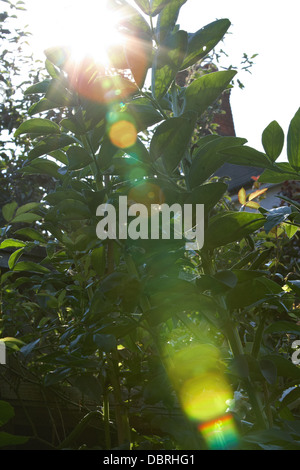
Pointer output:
169, 348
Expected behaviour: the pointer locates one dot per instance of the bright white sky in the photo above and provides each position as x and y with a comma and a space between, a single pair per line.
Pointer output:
269, 28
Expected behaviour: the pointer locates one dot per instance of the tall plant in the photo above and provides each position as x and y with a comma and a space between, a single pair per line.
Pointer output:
141, 323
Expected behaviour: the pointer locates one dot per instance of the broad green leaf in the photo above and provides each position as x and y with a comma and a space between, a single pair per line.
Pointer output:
268, 370
170, 141
57, 376
8, 210
43, 105
131, 19
40, 87
290, 229
247, 156
28, 207
252, 291
78, 158
282, 172
293, 142
167, 61
57, 93
144, 114
203, 91
231, 226
209, 157
14, 257
283, 327
167, 19
71, 209
106, 343
276, 216
42, 166
38, 126
207, 194
30, 266
31, 233
156, 6
28, 348
285, 367
50, 144
204, 40
273, 140
6, 412
11, 243
144, 5
26, 217
7, 439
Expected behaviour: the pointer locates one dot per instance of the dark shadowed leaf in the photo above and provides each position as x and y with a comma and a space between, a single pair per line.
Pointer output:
231, 226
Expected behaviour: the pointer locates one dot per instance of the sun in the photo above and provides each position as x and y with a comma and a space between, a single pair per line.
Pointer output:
87, 27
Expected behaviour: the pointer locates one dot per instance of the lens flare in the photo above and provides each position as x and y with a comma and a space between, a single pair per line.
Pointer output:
197, 373
204, 397
146, 193
123, 134
220, 434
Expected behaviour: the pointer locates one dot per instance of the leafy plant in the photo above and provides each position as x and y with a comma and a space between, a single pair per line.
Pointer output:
110, 317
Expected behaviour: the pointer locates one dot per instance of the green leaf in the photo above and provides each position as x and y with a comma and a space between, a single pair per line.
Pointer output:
167, 62
26, 217
293, 142
230, 226
273, 140
8, 210
42, 166
106, 343
40, 87
7, 439
156, 6
32, 267
283, 327
50, 144
203, 91
31, 233
170, 141
57, 376
167, 19
281, 172
209, 157
38, 126
28, 207
247, 156
268, 370
78, 158
43, 105
208, 194
11, 243
204, 40
6, 412
14, 258
250, 292
144, 5
144, 114
71, 209
285, 367
276, 216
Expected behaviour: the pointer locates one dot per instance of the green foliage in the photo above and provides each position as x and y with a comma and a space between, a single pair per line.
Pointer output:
108, 317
